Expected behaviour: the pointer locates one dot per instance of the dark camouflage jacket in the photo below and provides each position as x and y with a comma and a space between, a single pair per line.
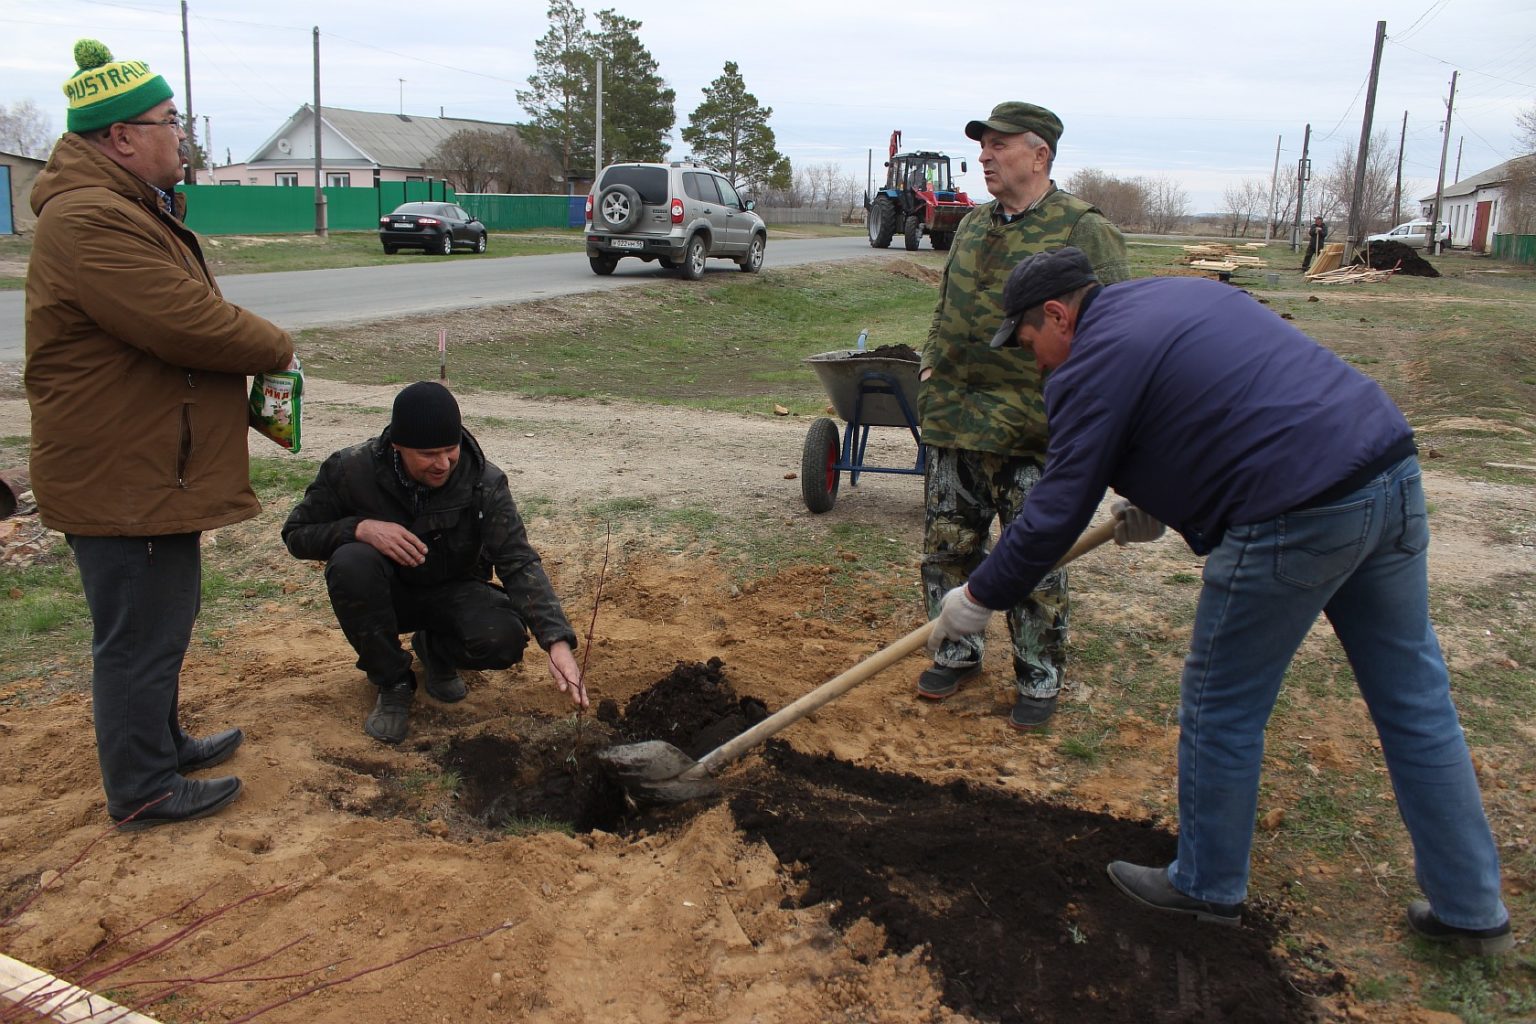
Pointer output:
985, 399
469, 525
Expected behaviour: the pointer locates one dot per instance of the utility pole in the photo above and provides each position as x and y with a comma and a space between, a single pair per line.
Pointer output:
402, 93
1357, 200
1303, 174
597, 141
208, 147
1274, 188
1397, 191
320, 219
189, 172
1461, 141
1432, 240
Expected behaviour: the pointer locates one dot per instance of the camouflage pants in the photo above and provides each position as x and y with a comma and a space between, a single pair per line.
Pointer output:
964, 491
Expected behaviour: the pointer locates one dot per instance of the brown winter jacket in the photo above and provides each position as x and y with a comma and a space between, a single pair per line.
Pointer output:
136, 365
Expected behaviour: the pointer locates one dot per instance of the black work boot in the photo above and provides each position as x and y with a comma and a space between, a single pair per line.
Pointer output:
1150, 887
1474, 941
391, 714
202, 752
1032, 712
193, 799
443, 680
940, 681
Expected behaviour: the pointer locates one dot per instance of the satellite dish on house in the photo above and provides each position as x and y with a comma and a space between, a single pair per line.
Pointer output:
284, 146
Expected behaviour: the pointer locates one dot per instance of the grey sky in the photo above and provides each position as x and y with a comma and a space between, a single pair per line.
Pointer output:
1195, 92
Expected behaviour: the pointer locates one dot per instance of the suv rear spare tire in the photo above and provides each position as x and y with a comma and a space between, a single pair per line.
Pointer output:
620, 207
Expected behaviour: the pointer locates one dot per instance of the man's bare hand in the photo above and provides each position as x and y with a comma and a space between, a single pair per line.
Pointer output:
566, 673
393, 541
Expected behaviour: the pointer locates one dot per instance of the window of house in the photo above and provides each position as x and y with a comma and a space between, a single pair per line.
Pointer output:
288, 179
227, 181
335, 179
414, 177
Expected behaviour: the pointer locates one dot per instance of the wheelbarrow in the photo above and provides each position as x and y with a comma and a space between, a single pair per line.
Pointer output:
867, 391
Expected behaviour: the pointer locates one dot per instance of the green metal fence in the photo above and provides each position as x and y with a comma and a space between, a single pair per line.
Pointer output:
285, 209
1515, 248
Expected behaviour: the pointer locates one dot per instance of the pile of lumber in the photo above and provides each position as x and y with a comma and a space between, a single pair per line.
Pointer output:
1329, 259
1221, 256
1350, 275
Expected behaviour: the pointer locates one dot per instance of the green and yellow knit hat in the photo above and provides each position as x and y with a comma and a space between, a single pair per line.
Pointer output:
105, 90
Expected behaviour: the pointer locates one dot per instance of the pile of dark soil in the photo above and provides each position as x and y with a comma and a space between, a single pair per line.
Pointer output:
694, 708
906, 353
1396, 256
1011, 898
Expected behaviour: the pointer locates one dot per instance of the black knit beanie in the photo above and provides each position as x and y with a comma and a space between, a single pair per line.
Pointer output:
425, 416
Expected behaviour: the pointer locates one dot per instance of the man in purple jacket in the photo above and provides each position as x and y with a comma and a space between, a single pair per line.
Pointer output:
1299, 480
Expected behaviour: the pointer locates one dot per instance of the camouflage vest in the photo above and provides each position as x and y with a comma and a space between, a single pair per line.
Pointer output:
985, 399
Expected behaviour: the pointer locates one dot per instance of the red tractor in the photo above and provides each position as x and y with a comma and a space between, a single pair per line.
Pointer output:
918, 199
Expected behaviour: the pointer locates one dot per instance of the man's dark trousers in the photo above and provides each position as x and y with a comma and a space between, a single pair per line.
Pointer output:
144, 594
471, 622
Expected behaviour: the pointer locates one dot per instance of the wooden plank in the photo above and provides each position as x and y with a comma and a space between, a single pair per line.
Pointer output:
58, 999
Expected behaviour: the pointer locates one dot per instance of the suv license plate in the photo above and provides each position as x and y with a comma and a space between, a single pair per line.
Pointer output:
627, 243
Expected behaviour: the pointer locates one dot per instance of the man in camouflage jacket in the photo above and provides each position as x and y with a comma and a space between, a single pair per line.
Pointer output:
981, 409
409, 525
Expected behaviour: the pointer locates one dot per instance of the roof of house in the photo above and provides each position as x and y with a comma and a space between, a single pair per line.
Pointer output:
7, 156
389, 140
1492, 176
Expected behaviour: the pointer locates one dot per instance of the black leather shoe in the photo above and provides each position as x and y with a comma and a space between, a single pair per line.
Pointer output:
443, 680
206, 751
1150, 887
940, 681
1474, 941
195, 799
391, 714
1032, 712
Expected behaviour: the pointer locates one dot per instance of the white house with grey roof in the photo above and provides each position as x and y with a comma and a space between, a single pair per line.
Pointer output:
1473, 205
357, 149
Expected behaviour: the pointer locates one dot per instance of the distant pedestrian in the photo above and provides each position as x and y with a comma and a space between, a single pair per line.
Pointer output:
1317, 234
135, 374
983, 422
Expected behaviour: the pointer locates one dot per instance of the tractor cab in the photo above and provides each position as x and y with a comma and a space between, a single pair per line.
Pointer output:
918, 198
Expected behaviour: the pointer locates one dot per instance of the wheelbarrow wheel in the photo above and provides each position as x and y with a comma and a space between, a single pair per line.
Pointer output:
818, 466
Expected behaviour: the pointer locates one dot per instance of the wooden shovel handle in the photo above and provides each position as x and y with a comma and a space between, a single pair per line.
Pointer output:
881, 659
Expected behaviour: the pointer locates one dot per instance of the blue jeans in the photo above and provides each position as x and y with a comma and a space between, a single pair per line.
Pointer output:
1362, 561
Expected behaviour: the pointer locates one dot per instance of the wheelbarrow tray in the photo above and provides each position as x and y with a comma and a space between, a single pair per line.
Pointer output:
842, 375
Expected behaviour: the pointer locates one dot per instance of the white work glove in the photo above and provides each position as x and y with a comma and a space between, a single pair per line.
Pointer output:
958, 616
1132, 525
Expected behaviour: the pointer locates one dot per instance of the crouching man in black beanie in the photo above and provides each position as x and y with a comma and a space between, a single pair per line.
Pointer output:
409, 525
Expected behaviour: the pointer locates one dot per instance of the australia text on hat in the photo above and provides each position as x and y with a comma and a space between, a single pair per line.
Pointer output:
107, 79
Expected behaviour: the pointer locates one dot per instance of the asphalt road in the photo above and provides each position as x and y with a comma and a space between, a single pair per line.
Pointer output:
310, 298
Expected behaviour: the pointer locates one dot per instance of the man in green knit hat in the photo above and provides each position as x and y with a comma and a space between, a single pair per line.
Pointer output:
136, 374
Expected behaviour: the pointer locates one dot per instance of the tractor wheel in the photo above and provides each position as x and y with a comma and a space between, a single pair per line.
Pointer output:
818, 466
942, 239
882, 222
914, 232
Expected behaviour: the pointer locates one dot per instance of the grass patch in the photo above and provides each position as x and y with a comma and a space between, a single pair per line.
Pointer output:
535, 824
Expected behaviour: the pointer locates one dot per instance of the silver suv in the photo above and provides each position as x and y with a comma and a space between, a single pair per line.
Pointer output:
679, 214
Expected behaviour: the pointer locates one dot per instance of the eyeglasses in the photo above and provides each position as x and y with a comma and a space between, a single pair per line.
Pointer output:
173, 121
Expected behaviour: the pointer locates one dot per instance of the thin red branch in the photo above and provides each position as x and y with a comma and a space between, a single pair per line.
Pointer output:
597, 599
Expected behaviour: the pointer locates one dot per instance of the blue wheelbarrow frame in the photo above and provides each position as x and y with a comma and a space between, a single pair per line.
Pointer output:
866, 391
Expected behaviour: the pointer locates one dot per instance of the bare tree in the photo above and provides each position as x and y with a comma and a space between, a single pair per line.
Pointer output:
1518, 214
1122, 200
494, 159
25, 130
1525, 129
1167, 205
1284, 209
1331, 194
1242, 204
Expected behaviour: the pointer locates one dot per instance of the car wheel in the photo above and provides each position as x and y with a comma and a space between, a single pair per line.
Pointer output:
692, 267
818, 466
390, 250
914, 232
753, 261
619, 207
667, 261
481, 242
603, 264
445, 246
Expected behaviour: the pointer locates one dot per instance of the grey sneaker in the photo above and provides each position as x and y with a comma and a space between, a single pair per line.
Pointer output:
1150, 887
391, 714
1473, 941
443, 680
940, 681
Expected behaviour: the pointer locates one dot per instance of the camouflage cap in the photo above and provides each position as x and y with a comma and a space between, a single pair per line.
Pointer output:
1014, 117
1038, 278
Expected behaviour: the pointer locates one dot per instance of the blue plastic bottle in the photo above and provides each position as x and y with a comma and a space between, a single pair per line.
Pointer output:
863, 339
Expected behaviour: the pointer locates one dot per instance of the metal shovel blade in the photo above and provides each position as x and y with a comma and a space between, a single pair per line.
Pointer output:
656, 772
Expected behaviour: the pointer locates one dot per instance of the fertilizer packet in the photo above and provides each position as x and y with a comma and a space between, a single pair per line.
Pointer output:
276, 404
